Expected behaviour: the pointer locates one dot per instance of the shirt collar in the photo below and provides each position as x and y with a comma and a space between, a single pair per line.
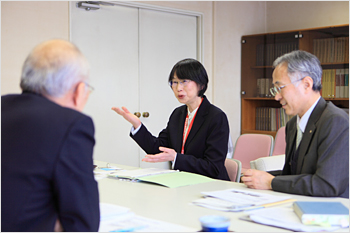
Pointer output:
305, 118
191, 114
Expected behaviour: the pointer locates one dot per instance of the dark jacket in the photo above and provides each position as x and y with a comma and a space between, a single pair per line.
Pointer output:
46, 166
323, 162
206, 146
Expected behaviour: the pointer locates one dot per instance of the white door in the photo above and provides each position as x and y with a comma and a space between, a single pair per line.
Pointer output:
131, 52
165, 39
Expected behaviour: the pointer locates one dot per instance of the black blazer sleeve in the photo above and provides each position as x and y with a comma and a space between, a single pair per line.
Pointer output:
206, 146
75, 188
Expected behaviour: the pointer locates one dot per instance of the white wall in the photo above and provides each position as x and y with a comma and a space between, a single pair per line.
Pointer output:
24, 25
294, 15
229, 27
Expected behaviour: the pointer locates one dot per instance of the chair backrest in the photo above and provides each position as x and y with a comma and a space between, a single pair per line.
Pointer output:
252, 146
271, 163
233, 167
280, 142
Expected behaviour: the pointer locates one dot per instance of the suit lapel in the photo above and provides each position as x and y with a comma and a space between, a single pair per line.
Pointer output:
309, 132
291, 140
198, 121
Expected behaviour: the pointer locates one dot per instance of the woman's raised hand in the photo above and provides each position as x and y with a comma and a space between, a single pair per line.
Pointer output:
124, 112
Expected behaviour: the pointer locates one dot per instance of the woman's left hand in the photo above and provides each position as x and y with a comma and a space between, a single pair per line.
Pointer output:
167, 154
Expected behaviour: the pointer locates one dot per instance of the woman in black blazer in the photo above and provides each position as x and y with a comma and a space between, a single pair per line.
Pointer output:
195, 139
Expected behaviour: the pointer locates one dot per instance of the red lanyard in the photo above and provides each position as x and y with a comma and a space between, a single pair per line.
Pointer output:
185, 134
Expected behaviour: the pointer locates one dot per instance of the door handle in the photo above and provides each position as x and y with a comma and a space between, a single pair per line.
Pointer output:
137, 114
145, 114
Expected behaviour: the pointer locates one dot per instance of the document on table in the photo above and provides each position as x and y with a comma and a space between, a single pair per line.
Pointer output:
138, 173
283, 217
168, 178
237, 200
178, 179
116, 218
103, 172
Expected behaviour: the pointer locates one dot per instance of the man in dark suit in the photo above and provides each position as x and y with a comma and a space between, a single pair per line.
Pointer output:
47, 180
317, 137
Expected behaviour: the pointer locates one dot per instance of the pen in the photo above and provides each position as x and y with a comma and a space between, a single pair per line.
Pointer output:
270, 204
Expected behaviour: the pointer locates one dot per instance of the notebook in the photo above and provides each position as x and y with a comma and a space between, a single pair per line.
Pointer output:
322, 213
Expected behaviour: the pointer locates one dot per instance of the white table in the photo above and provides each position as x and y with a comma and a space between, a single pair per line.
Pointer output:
174, 204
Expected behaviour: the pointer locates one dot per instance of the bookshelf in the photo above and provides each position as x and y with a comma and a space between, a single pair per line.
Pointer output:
329, 44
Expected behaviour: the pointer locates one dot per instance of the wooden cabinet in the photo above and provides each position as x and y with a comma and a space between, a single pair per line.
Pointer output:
330, 44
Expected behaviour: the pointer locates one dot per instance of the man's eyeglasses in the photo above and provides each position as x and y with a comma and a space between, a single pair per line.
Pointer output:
182, 83
91, 89
276, 90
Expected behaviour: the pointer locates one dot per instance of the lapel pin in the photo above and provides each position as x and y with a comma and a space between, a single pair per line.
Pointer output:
310, 131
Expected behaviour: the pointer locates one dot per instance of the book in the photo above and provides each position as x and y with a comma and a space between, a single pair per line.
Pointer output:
270, 119
346, 82
322, 213
342, 84
332, 82
337, 83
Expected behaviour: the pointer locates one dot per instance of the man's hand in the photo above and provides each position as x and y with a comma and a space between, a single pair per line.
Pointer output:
257, 179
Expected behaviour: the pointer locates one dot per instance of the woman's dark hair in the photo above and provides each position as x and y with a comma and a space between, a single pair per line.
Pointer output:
191, 69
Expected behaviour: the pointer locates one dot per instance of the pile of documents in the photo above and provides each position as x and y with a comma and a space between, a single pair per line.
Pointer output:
239, 200
164, 177
254, 205
284, 217
103, 172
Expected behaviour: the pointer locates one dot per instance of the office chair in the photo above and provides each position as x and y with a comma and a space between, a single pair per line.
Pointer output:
252, 146
271, 163
280, 142
233, 167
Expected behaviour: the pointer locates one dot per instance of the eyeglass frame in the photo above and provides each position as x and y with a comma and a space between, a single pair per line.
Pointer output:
182, 83
277, 90
91, 88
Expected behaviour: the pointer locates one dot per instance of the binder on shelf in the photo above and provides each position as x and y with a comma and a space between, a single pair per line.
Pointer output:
342, 84
346, 82
267, 53
332, 50
335, 83
270, 119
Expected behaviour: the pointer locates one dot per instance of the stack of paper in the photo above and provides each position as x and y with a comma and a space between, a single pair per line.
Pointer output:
283, 217
238, 200
167, 178
103, 172
120, 219
138, 173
